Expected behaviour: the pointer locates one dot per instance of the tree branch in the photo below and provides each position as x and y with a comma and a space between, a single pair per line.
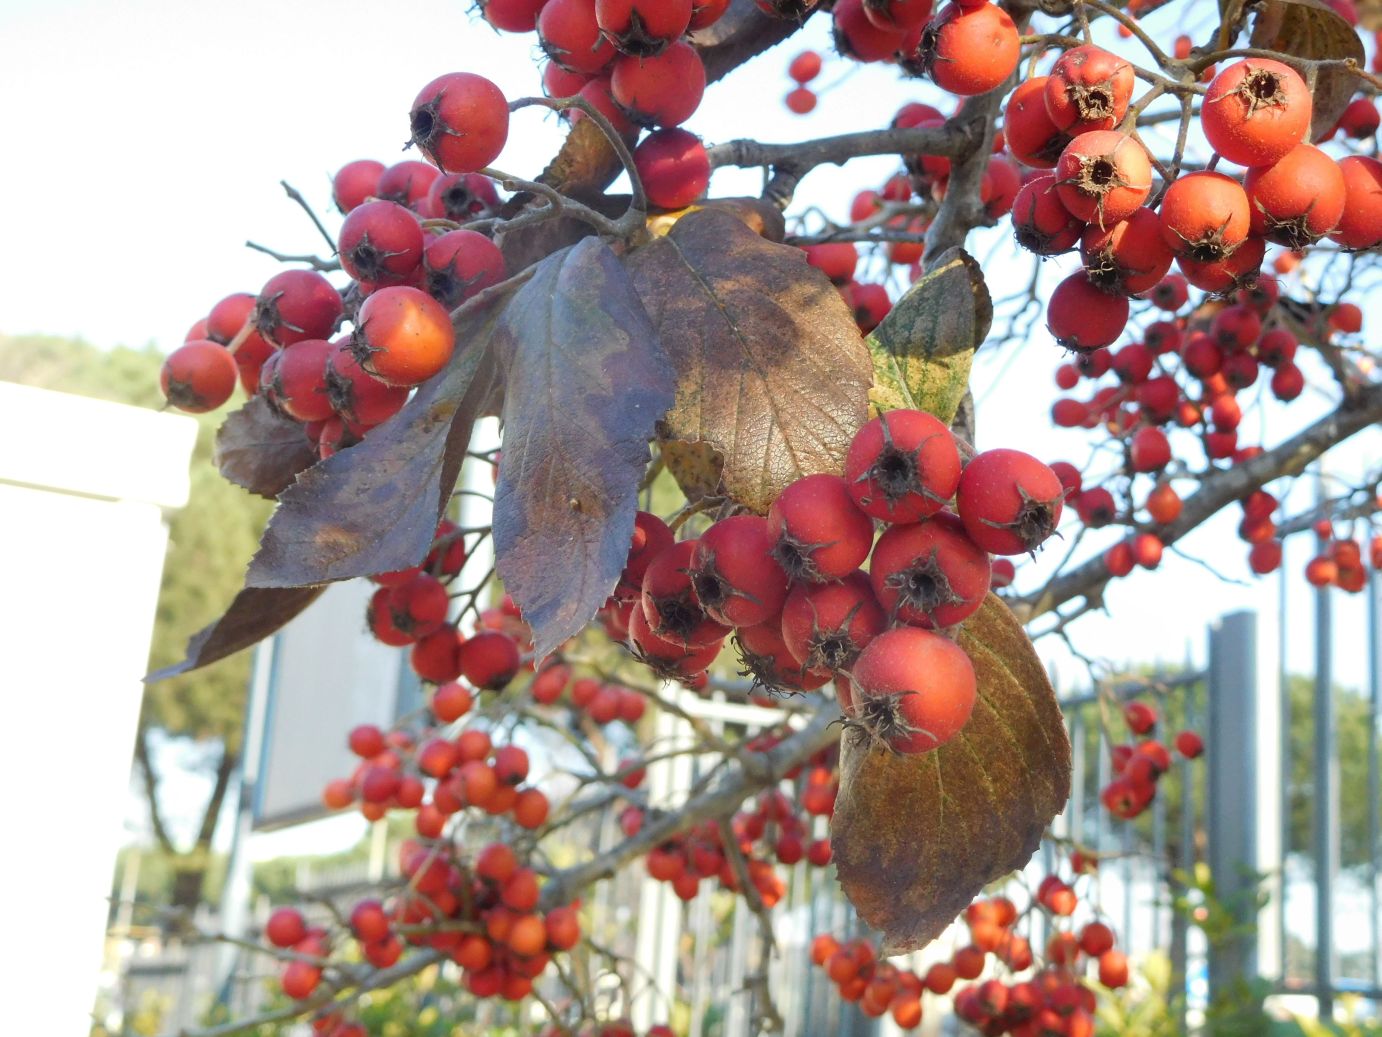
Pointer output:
951, 140
146, 770
746, 774
1290, 458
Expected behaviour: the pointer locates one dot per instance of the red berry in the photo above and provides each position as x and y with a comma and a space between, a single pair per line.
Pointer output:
1360, 227
642, 27
659, 91
917, 689
300, 979
672, 165
1103, 176
1088, 89
199, 376
1255, 111
570, 34
929, 574
902, 467
296, 305
460, 264
380, 244
735, 574
670, 608
1189, 744
969, 50
355, 182
460, 122
826, 625
1009, 501
403, 336
285, 927
489, 659
805, 67
817, 531
1297, 200
512, 15
800, 101
1205, 216
450, 702
352, 391
1082, 317
1128, 258
1031, 135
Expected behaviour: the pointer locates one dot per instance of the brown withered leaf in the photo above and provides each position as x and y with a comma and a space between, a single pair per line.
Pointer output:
261, 450
374, 508
763, 218
916, 837
1369, 14
253, 615
1312, 30
586, 380
695, 466
923, 348
771, 369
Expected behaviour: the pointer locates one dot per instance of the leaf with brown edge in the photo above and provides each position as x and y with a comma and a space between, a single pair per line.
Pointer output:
771, 370
1312, 30
585, 382
923, 348
374, 507
916, 837
253, 615
696, 467
261, 450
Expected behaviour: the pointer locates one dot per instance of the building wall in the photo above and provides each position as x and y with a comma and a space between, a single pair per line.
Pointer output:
83, 485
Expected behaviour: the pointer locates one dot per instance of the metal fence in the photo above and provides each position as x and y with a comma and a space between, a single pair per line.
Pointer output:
1232, 811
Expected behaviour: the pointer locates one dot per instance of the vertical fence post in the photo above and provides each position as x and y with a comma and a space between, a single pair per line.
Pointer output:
1242, 801
1325, 832
1374, 706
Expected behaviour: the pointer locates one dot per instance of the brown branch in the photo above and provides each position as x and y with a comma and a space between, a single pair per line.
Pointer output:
950, 139
150, 779
1288, 459
745, 774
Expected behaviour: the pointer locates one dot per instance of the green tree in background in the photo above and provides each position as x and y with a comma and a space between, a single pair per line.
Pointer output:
210, 542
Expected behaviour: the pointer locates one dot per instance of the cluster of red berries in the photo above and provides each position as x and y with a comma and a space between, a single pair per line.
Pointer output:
506, 944
804, 68
602, 701
438, 776
927, 176
1340, 561
791, 588
1055, 1002
407, 277
1137, 768
412, 608
776, 827
967, 47
1187, 372
1214, 228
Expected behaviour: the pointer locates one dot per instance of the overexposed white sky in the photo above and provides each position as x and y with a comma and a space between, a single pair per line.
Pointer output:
145, 140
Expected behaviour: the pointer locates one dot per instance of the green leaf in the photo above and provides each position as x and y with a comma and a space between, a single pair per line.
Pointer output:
586, 381
923, 348
916, 837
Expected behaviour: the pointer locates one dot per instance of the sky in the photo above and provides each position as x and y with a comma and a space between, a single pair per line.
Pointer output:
148, 138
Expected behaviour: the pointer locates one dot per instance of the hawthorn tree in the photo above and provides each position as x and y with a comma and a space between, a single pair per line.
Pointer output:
825, 525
